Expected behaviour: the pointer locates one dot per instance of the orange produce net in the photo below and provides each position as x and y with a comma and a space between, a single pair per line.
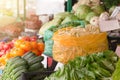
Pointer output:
68, 44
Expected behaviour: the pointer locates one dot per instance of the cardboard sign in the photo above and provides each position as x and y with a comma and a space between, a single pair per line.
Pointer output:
118, 51
115, 12
109, 25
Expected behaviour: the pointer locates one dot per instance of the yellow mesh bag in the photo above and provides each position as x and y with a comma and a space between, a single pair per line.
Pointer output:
67, 45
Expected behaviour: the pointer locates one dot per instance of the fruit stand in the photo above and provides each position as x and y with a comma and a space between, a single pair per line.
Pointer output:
80, 43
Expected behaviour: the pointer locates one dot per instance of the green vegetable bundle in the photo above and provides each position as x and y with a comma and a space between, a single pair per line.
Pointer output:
98, 66
116, 74
109, 3
17, 65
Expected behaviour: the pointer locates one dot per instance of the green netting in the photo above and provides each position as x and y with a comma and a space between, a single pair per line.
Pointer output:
48, 35
48, 47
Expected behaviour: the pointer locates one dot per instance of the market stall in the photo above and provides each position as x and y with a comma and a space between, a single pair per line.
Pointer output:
66, 41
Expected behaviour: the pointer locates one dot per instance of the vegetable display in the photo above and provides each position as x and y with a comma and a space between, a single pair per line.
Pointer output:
98, 66
18, 65
21, 46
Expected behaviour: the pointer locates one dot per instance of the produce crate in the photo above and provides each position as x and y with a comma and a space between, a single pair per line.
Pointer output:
39, 75
113, 42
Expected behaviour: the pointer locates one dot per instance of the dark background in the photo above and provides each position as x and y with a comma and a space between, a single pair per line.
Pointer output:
73, 2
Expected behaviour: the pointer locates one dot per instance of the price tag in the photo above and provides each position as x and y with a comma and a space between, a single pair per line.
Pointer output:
109, 25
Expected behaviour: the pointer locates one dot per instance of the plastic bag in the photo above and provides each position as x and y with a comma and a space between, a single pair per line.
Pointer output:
48, 34
48, 47
67, 45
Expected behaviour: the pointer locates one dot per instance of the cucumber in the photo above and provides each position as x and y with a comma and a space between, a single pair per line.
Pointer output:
12, 60
17, 69
35, 60
36, 66
28, 55
18, 74
32, 57
17, 64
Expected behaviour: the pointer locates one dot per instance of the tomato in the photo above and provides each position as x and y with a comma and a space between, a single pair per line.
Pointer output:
37, 52
2, 61
6, 47
1, 47
26, 38
10, 44
1, 53
18, 42
26, 46
34, 44
41, 47
17, 52
8, 55
33, 38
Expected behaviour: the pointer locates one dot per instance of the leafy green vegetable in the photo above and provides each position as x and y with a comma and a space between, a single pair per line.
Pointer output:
87, 68
98, 9
69, 18
47, 25
69, 24
61, 15
109, 3
90, 15
82, 11
116, 74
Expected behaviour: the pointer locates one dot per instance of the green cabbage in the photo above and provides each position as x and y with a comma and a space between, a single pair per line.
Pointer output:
47, 25
58, 18
69, 18
82, 11
90, 15
98, 9
62, 15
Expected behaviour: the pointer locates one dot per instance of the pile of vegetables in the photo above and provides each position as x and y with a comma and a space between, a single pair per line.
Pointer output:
21, 46
60, 18
98, 66
17, 65
85, 12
